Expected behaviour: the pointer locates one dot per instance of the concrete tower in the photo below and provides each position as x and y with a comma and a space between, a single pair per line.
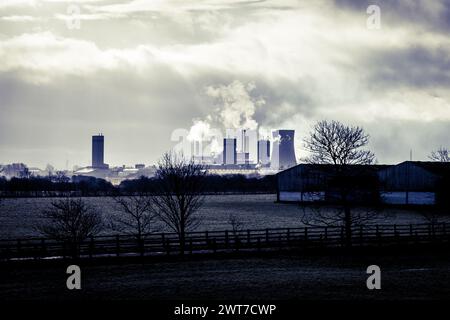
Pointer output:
229, 151
98, 150
283, 152
263, 152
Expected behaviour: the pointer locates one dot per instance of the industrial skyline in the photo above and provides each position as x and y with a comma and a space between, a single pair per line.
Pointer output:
141, 69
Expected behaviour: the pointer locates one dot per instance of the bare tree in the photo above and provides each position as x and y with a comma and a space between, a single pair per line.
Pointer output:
334, 143
179, 194
138, 218
70, 220
440, 155
340, 145
236, 224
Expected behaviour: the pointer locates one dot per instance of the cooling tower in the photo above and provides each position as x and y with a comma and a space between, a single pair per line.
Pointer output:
283, 153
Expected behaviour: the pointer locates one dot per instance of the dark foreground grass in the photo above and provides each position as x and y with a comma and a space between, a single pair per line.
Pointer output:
421, 276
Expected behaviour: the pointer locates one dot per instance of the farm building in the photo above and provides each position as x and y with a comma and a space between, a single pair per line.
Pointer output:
326, 182
415, 183
407, 183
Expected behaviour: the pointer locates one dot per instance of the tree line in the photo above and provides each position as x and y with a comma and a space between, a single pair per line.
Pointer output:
91, 186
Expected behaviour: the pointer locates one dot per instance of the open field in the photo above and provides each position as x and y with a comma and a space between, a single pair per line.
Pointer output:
403, 277
19, 216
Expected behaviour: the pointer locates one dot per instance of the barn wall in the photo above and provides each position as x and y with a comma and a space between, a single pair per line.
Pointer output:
291, 196
399, 197
407, 176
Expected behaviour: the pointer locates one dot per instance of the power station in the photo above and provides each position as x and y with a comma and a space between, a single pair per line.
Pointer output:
283, 155
243, 150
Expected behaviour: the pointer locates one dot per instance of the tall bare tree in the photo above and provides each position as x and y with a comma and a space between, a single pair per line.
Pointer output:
138, 215
332, 142
70, 220
441, 155
179, 194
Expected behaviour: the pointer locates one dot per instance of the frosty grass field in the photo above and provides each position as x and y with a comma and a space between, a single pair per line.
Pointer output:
18, 217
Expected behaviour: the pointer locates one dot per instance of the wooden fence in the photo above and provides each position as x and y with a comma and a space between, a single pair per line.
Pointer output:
224, 241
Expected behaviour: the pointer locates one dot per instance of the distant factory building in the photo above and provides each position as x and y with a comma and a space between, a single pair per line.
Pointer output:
229, 151
246, 144
242, 158
264, 152
283, 152
98, 150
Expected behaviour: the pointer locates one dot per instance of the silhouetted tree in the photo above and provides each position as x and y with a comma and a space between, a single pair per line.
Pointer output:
440, 155
340, 145
235, 223
179, 194
70, 220
335, 143
138, 215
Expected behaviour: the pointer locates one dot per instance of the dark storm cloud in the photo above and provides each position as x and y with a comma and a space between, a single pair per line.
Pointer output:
415, 67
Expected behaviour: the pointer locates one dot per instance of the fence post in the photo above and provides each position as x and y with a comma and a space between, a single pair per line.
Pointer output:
326, 235
248, 236
91, 247
267, 235
141, 246
361, 235
306, 234
289, 235
19, 247
226, 239
167, 246
207, 239
433, 231
117, 245
342, 236
411, 230
64, 249
190, 246
395, 233
43, 248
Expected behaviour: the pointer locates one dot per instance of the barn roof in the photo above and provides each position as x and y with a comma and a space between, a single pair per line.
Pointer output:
438, 168
326, 167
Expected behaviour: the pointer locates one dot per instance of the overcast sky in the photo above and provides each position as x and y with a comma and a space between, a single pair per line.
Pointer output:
137, 70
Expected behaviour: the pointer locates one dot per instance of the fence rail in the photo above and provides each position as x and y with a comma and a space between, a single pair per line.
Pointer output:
224, 241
